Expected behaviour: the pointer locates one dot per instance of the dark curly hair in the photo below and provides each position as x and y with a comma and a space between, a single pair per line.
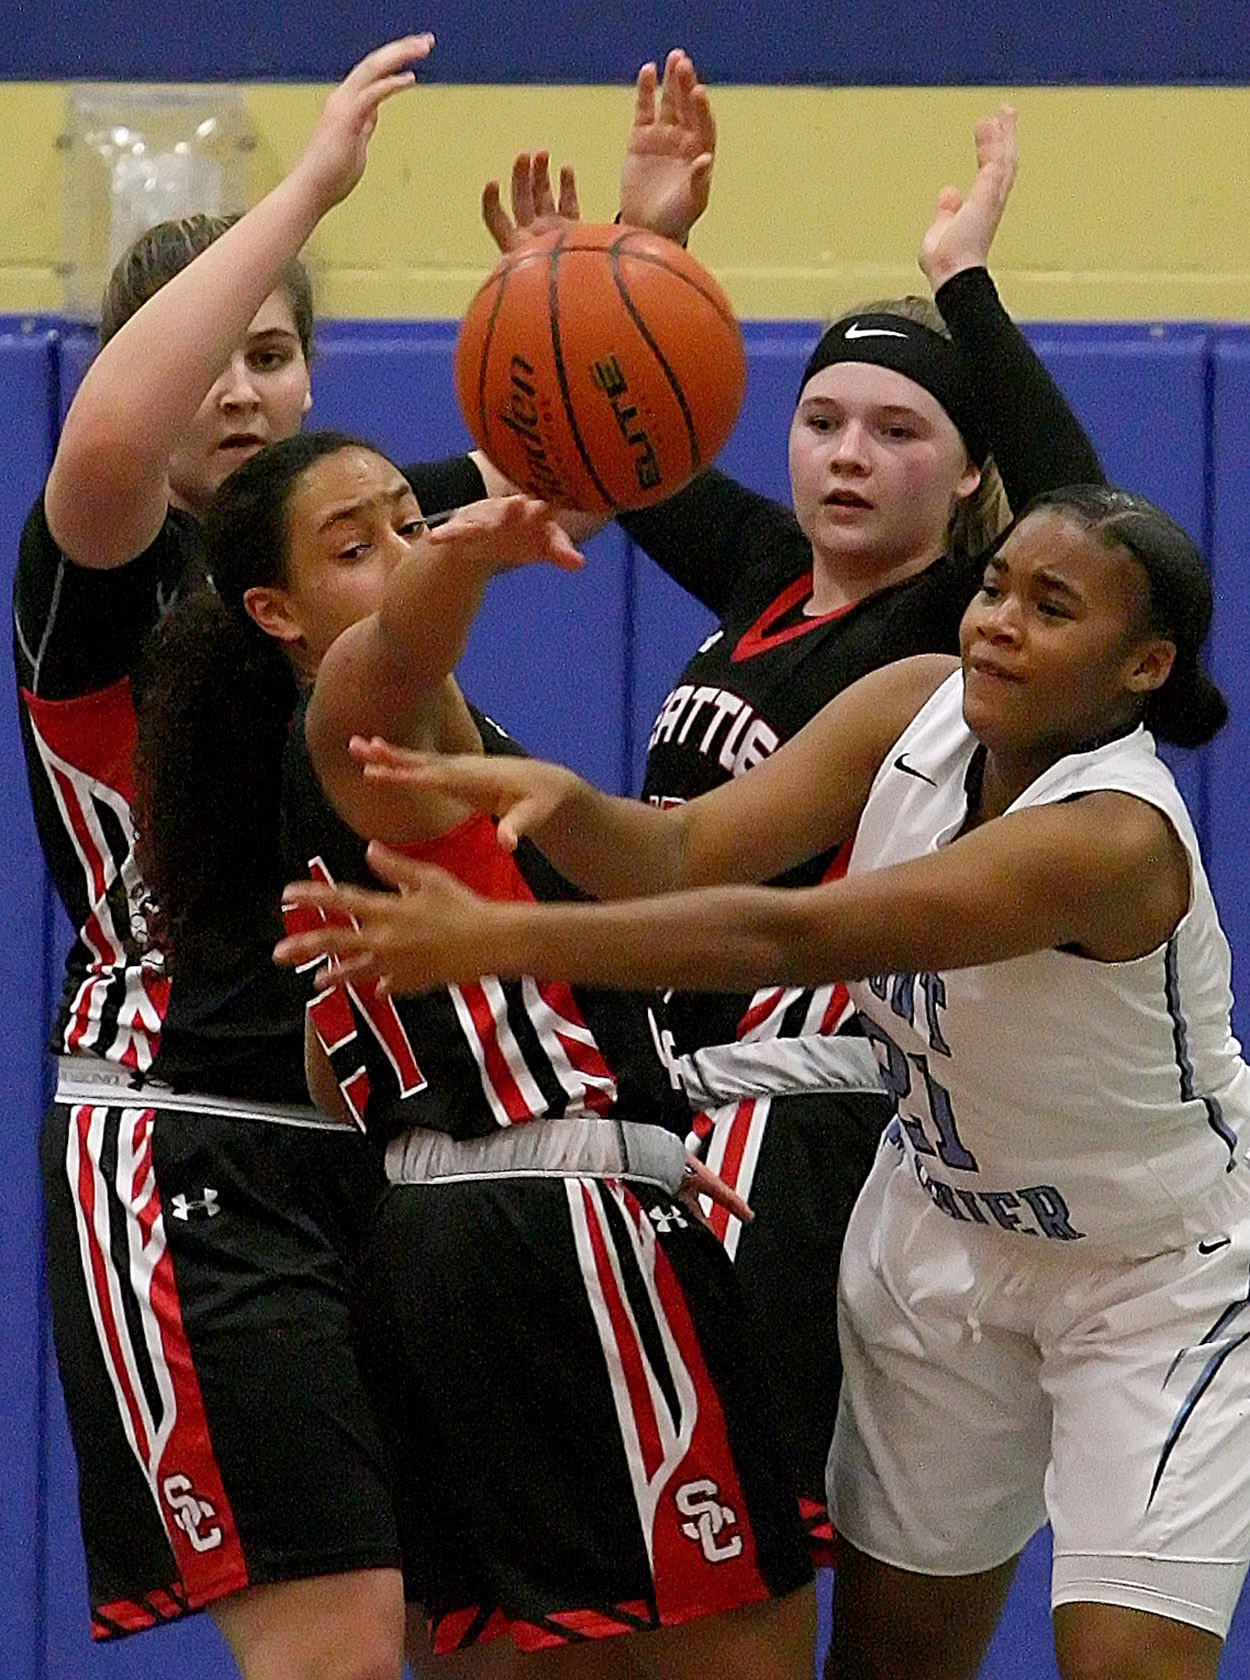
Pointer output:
215, 696
1188, 710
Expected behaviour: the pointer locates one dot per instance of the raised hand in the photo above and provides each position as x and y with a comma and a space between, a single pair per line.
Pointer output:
963, 226
535, 209
666, 175
508, 531
523, 793
334, 158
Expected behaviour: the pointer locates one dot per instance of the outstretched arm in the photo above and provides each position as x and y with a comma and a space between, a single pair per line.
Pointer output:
107, 493
1106, 874
391, 671
799, 802
1037, 441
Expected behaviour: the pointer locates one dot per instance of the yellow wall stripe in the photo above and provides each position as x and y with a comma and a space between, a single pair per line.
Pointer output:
1132, 203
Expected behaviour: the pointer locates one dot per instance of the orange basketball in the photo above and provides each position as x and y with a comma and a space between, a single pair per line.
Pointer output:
600, 367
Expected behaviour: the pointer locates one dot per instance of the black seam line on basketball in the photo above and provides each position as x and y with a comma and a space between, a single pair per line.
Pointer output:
726, 315
696, 459
484, 359
553, 310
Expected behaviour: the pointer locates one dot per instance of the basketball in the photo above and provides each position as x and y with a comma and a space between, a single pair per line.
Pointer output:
600, 368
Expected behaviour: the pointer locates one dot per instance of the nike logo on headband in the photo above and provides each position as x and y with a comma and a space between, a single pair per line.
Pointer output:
856, 331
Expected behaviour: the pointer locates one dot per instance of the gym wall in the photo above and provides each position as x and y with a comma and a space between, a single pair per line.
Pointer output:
1126, 236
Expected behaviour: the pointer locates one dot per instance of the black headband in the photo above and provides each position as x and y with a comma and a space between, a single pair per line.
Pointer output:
915, 351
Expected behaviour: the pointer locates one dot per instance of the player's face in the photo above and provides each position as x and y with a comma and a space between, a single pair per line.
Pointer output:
876, 466
1052, 654
262, 396
351, 518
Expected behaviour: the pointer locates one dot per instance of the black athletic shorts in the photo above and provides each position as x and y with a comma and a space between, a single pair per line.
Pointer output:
581, 1444
800, 1161
198, 1270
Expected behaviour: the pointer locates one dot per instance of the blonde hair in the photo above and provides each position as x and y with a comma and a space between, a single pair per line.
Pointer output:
976, 520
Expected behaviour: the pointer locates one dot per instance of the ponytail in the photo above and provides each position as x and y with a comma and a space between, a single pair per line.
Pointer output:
215, 698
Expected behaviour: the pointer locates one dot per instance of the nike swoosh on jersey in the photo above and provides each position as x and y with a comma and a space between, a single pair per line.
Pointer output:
856, 331
900, 763
1211, 1247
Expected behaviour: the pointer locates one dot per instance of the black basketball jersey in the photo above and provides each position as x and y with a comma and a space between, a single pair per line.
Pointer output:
769, 667
78, 636
468, 1059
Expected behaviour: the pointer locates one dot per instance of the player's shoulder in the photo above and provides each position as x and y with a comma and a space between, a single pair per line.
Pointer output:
77, 628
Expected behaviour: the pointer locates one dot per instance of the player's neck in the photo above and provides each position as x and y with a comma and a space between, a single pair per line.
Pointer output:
841, 580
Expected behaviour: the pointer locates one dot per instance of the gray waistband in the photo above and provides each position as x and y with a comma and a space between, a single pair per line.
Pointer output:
543, 1149
778, 1067
90, 1079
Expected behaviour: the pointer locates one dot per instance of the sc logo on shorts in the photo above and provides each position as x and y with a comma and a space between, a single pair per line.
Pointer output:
701, 1500
191, 1512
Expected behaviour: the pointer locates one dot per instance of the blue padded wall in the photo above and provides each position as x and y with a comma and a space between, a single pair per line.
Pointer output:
1229, 754
26, 378
575, 667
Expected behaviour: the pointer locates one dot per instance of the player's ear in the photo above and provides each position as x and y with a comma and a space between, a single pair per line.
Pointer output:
270, 608
1150, 666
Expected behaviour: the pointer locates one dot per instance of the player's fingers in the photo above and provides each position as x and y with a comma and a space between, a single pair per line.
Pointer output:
644, 96
668, 87
375, 750
700, 173
702, 1181
684, 80
522, 190
569, 207
386, 60
700, 119
498, 222
317, 944
344, 970
398, 871
540, 185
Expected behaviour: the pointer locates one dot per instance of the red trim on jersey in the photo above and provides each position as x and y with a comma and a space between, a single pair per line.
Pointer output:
125, 1618
447, 1632
822, 1542
624, 1335
179, 1464
495, 1066
332, 1019
731, 1163
87, 849
98, 1282
760, 637
759, 1012
86, 747
93, 732
685, 1578
471, 852
590, 1624
584, 1055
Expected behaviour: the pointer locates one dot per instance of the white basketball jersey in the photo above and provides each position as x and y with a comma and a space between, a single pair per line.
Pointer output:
1050, 1094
